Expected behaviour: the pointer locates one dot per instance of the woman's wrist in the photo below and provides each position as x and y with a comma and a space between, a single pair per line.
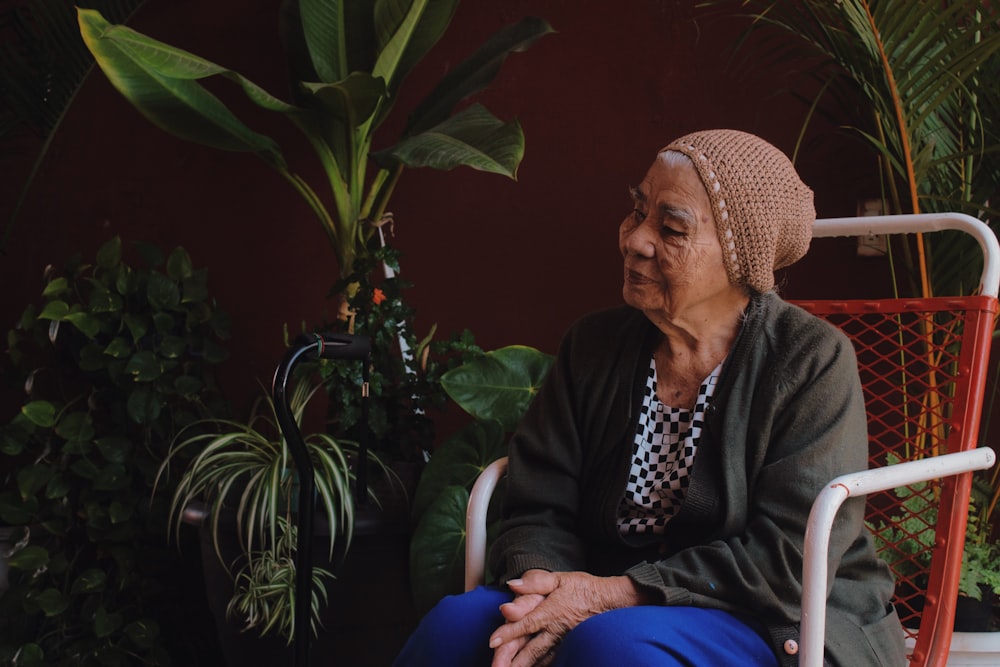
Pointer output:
632, 594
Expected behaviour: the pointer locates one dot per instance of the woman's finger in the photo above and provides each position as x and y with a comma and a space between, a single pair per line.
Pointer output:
540, 582
520, 607
505, 653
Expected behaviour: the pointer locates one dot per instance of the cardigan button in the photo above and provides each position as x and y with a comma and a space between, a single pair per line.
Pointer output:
791, 646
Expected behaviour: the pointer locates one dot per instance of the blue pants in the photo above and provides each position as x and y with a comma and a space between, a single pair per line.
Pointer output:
456, 634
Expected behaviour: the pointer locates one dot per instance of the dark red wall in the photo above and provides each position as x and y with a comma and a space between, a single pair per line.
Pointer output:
515, 262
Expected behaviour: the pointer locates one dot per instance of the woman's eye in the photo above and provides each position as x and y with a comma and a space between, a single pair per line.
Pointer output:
638, 215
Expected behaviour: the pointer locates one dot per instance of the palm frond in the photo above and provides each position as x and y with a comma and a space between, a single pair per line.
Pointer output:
923, 80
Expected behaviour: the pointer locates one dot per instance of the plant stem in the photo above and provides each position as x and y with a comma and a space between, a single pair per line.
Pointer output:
385, 192
904, 139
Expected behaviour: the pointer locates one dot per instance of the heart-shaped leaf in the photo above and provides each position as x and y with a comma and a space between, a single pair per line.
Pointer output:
458, 461
437, 549
498, 385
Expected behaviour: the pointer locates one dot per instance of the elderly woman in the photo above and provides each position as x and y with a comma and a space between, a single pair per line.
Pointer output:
660, 483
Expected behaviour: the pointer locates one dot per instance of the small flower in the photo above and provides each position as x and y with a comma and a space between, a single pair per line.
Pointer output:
378, 296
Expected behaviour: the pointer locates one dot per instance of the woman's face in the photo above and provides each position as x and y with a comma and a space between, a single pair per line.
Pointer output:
673, 259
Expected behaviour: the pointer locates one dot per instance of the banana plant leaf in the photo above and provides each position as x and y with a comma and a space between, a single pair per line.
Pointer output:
326, 40
472, 138
405, 31
475, 73
351, 57
161, 81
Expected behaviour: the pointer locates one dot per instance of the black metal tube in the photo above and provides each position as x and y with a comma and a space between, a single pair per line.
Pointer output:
361, 473
302, 608
329, 346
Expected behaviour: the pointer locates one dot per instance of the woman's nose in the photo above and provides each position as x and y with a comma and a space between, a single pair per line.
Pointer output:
637, 241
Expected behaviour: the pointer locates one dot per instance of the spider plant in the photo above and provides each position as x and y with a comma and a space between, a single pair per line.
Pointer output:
244, 472
265, 587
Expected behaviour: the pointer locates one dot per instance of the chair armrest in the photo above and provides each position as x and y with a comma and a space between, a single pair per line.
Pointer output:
824, 511
475, 522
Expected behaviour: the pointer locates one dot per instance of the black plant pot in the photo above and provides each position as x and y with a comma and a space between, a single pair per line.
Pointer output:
370, 612
973, 615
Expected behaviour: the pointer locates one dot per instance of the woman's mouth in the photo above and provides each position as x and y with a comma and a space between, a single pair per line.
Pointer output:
635, 278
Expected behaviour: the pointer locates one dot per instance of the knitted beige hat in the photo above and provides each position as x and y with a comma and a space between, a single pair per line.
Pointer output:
763, 212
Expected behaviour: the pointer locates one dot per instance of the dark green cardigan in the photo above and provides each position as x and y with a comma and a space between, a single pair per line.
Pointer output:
787, 416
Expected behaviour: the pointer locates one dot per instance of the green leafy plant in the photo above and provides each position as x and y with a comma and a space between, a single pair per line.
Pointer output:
347, 62
914, 82
114, 362
265, 587
496, 389
407, 381
981, 561
917, 88
906, 541
245, 474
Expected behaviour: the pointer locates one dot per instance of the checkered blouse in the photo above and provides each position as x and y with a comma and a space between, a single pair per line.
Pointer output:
666, 440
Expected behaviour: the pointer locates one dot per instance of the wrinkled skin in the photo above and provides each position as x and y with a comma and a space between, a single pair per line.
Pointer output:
547, 606
675, 274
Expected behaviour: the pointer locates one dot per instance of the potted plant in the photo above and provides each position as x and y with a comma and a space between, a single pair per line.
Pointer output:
980, 563
112, 363
906, 541
242, 477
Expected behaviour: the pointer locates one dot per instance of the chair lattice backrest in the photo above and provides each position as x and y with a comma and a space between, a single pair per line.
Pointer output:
923, 365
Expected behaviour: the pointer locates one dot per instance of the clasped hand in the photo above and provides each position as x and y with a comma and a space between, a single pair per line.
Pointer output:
547, 606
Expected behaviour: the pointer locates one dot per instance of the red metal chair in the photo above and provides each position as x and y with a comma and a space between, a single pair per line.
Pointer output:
923, 365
